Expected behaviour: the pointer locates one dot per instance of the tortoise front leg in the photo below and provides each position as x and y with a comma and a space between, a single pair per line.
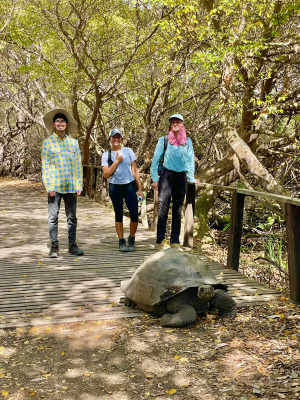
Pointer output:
186, 315
224, 303
129, 303
180, 312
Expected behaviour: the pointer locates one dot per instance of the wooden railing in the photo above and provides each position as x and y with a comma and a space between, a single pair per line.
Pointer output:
292, 218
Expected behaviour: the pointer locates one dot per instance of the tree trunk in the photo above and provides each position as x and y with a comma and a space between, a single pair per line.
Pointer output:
202, 206
252, 164
205, 202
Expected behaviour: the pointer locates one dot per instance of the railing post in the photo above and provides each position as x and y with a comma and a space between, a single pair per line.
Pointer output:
235, 233
104, 190
94, 182
188, 237
144, 210
292, 219
84, 181
155, 210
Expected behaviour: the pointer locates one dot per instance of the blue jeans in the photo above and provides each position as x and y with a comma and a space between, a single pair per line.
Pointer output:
126, 192
70, 200
171, 184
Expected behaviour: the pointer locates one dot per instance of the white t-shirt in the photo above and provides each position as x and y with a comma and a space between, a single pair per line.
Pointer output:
122, 174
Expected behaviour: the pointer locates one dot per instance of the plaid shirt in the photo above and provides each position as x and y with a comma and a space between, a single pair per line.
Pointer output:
61, 164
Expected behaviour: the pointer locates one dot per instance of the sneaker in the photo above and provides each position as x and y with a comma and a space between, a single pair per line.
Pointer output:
175, 246
122, 245
131, 245
54, 252
163, 245
75, 250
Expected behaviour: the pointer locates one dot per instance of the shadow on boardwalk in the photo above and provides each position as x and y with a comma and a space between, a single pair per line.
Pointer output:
38, 290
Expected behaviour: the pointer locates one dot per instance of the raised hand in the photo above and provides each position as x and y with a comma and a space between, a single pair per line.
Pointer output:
119, 158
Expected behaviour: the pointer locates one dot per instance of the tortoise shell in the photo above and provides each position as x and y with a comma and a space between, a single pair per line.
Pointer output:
165, 274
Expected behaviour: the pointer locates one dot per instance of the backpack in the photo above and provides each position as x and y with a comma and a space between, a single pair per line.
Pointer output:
161, 161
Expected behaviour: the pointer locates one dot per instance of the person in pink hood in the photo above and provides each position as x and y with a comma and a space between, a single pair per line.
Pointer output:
177, 168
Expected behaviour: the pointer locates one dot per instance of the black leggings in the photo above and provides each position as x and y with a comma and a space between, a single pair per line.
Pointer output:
171, 184
126, 192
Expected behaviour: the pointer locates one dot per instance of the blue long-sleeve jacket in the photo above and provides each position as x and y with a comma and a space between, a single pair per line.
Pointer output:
177, 158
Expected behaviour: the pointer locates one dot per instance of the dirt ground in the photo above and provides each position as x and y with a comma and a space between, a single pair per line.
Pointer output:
253, 356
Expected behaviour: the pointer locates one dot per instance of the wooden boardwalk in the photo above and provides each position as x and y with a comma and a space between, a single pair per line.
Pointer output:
37, 290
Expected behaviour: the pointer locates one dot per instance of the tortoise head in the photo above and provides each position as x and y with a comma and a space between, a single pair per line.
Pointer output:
205, 292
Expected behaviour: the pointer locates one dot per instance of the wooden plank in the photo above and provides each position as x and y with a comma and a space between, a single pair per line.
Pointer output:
43, 307
45, 321
82, 260
68, 305
235, 233
48, 297
73, 277
71, 310
59, 306
95, 271
75, 314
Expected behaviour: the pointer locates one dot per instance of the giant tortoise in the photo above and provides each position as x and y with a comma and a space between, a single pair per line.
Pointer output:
178, 286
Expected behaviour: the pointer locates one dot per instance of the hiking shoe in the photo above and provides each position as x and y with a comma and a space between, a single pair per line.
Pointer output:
122, 245
163, 245
54, 252
176, 246
131, 245
75, 250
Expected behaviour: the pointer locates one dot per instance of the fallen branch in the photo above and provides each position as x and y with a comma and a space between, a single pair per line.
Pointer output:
272, 263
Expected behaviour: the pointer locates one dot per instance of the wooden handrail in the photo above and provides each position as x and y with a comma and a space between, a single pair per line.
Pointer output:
255, 193
292, 218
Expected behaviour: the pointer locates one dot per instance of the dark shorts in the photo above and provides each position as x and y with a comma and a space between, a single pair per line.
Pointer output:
119, 193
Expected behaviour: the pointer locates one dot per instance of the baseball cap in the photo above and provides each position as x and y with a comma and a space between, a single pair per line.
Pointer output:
114, 131
178, 116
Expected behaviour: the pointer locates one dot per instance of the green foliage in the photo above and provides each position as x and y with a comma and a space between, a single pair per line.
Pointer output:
211, 61
267, 225
274, 251
226, 219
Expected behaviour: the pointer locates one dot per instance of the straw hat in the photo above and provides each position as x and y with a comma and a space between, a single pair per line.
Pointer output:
48, 121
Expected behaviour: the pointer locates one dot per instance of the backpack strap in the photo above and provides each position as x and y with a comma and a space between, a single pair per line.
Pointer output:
161, 161
166, 141
110, 162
